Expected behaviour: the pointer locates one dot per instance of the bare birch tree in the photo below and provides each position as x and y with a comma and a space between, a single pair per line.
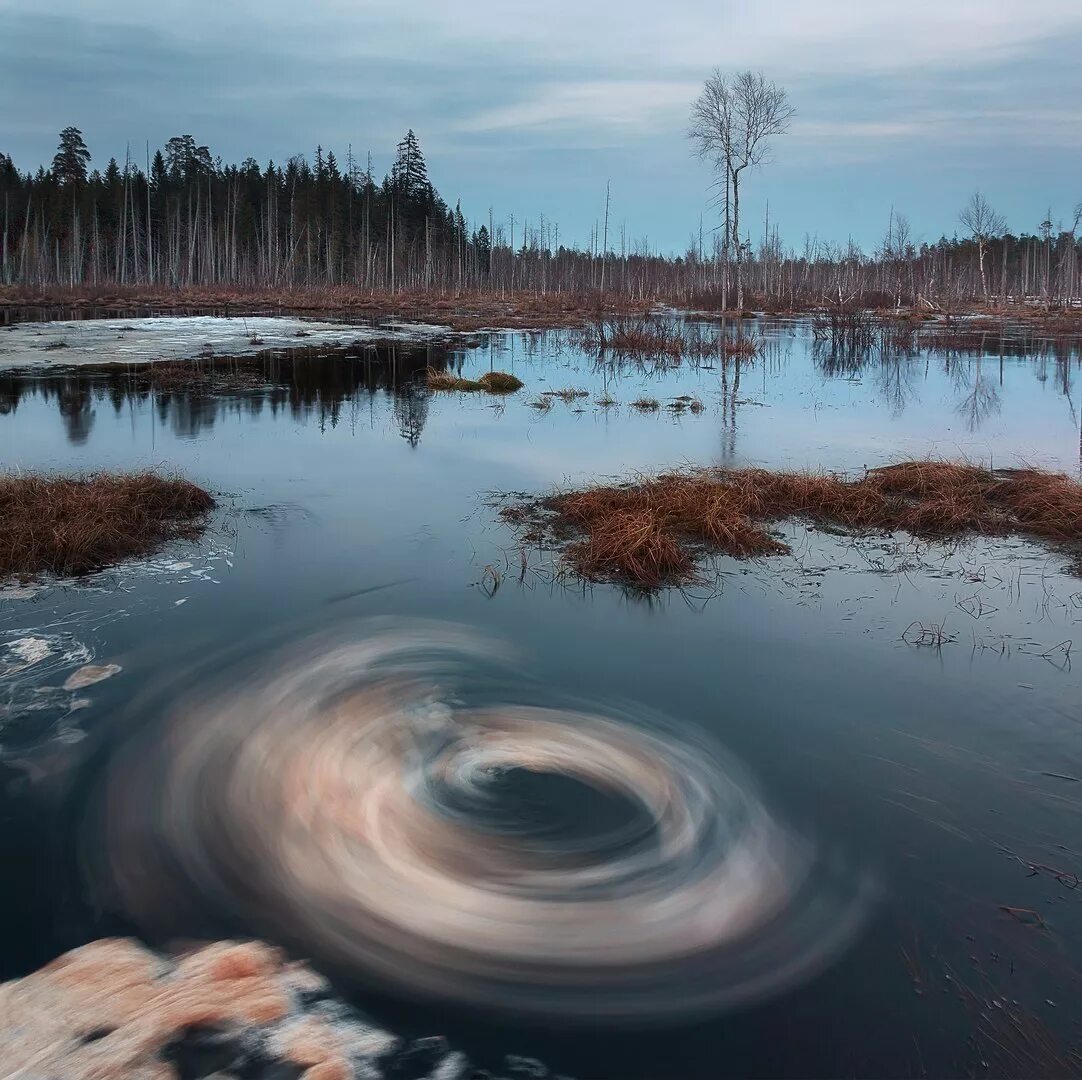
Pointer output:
983, 224
732, 122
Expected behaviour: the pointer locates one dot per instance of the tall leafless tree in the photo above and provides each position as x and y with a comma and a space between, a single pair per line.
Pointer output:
983, 224
732, 123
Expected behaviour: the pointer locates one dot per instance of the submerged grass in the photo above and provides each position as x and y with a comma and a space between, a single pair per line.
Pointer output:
492, 382
650, 533
76, 524
568, 395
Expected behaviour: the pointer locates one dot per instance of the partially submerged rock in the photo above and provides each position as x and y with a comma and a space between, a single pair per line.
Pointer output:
114, 1009
89, 674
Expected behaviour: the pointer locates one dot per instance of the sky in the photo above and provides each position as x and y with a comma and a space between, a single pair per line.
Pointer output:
532, 108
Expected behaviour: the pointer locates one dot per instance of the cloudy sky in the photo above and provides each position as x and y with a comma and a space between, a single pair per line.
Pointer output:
531, 107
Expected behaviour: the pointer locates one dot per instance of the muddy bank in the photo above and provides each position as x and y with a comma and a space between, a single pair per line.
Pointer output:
459, 312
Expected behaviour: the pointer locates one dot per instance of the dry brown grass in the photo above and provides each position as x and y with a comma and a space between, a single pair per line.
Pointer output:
644, 337
76, 524
500, 382
459, 310
662, 339
492, 382
649, 533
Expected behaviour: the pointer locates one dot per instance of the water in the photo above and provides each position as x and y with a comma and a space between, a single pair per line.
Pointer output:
919, 776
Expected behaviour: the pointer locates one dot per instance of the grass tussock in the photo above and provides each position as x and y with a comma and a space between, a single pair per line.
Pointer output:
73, 525
568, 394
492, 382
646, 404
650, 533
686, 403
642, 337
500, 382
662, 339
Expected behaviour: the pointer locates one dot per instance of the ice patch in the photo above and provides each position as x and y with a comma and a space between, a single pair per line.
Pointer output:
33, 709
20, 592
27, 651
141, 341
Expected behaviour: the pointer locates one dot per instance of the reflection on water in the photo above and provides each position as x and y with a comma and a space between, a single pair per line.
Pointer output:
306, 384
792, 372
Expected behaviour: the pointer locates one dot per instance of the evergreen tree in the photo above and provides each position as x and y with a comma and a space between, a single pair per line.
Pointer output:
72, 158
185, 160
158, 173
482, 244
409, 173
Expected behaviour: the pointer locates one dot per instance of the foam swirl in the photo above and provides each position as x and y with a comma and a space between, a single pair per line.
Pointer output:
370, 803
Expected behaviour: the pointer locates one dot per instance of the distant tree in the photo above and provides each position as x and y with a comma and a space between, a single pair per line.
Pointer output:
482, 244
409, 173
185, 160
72, 158
983, 224
159, 175
732, 122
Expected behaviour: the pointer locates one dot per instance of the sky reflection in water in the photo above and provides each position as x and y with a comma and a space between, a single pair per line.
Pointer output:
349, 492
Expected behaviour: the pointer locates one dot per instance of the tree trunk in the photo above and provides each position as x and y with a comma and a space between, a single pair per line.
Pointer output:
739, 270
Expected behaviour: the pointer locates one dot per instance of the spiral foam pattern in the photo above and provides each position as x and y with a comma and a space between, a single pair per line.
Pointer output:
361, 800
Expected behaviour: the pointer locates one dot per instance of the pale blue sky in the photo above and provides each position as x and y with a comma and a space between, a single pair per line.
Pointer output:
530, 108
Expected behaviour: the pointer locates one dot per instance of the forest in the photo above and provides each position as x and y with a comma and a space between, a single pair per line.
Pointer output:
183, 217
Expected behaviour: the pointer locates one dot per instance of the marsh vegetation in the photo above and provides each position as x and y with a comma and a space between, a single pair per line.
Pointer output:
653, 531
67, 525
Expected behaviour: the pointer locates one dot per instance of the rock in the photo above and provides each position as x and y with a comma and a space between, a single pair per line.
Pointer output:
113, 1010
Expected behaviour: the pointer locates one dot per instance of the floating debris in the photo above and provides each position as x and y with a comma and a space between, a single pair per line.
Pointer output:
90, 674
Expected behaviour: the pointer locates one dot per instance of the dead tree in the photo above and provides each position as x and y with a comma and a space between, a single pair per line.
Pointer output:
732, 122
984, 224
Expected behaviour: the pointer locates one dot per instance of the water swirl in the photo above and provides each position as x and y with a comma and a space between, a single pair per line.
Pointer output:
370, 802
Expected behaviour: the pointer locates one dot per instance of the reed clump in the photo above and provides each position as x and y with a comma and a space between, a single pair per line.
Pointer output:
651, 532
643, 337
76, 524
568, 395
500, 382
492, 382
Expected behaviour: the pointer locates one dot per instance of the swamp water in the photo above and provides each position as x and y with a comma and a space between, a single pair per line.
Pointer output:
820, 818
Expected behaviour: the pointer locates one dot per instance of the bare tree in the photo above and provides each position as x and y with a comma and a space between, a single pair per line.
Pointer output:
984, 224
732, 122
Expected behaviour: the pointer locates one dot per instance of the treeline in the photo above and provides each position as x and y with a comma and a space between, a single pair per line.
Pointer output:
183, 218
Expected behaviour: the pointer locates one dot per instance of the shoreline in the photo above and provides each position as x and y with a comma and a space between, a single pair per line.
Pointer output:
466, 311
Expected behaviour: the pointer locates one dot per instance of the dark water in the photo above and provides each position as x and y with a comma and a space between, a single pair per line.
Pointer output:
934, 776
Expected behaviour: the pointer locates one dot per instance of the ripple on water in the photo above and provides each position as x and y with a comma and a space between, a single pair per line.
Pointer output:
384, 804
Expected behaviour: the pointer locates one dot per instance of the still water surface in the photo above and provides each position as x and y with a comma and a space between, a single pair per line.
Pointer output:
929, 779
